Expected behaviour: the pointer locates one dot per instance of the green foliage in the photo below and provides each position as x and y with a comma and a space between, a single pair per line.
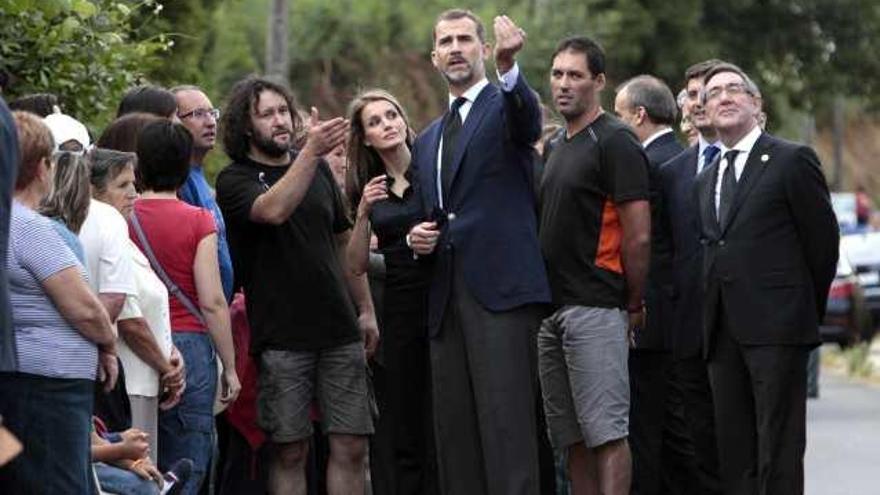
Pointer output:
81, 50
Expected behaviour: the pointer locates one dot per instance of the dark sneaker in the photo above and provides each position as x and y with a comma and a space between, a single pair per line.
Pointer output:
177, 476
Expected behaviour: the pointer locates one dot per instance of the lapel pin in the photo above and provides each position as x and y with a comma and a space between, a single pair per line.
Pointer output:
765, 157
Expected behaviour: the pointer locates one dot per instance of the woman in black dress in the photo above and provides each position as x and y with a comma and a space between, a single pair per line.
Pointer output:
379, 183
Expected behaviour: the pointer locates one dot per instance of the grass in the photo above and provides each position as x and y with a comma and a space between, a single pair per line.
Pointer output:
855, 361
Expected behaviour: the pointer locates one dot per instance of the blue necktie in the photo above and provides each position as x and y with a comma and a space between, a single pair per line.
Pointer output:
709, 154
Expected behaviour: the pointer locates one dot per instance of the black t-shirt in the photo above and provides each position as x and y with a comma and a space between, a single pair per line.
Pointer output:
291, 273
584, 178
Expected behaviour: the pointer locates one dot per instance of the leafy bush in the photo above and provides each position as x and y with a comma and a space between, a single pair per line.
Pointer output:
85, 51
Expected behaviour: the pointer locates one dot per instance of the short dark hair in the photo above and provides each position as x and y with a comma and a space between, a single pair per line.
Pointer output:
122, 133
654, 96
149, 99
594, 53
235, 123
41, 104
163, 151
699, 69
728, 67
106, 164
455, 14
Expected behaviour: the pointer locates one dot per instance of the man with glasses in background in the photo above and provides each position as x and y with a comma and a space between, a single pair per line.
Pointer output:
196, 113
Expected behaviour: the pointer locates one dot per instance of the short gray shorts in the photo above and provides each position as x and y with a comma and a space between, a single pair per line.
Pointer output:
290, 380
582, 360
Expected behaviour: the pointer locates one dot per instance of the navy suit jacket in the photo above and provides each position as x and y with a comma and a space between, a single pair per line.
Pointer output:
677, 180
488, 224
657, 334
771, 264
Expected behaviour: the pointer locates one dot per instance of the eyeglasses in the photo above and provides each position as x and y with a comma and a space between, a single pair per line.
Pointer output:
732, 89
201, 113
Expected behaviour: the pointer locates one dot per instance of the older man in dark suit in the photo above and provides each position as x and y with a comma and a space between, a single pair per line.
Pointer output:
770, 251
474, 169
662, 450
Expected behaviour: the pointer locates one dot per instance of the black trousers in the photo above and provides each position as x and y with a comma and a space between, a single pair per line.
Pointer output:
693, 377
484, 403
760, 414
663, 453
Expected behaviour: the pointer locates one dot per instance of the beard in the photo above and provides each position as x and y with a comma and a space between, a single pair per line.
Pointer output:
268, 145
461, 77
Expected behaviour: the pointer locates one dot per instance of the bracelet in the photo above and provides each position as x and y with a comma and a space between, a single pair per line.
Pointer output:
635, 309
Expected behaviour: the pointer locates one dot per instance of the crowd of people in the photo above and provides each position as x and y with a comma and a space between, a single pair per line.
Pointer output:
496, 305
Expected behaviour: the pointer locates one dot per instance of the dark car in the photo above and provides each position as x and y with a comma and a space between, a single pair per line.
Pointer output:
848, 319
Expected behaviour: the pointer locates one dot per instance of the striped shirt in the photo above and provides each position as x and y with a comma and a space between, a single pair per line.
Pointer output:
47, 344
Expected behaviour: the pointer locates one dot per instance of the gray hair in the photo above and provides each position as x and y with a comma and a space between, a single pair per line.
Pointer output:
106, 164
654, 96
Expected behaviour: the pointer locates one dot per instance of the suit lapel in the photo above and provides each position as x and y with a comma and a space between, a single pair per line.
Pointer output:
475, 116
429, 163
752, 172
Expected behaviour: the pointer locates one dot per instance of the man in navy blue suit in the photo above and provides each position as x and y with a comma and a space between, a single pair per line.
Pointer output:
677, 179
474, 169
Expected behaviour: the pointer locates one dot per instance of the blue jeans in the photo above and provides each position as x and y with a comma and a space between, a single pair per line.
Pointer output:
187, 430
123, 482
52, 417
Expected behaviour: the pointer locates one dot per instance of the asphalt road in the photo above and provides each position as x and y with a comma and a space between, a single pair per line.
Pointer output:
843, 439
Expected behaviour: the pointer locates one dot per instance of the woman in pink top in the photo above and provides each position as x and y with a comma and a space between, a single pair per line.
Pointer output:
183, 240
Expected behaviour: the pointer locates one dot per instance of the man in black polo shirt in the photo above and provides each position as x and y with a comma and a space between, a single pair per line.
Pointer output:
287, 225
595, 237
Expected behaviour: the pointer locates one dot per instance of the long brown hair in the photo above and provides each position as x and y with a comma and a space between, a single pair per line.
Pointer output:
363, 161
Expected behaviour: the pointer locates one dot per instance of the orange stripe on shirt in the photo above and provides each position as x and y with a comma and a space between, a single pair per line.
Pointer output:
608, 250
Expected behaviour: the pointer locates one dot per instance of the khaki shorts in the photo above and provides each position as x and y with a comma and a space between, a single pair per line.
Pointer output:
289, 381
582, 361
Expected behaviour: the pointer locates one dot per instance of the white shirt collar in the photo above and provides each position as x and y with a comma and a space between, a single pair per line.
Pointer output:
471, 94
655, 136
745, 145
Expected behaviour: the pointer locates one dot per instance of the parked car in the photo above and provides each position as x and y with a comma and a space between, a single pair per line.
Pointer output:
845, 206
848, 319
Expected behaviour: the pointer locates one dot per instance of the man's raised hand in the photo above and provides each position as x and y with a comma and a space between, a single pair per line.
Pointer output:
509, 39
326, 135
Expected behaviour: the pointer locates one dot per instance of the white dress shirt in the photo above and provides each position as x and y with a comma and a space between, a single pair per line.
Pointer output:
507, 82
744, 146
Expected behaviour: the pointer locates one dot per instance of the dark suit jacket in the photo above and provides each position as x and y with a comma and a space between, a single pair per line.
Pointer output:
773, 261
489, 220
679, 220
657, 334
8, 169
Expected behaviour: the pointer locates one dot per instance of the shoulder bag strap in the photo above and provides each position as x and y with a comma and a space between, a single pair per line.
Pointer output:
172, 287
